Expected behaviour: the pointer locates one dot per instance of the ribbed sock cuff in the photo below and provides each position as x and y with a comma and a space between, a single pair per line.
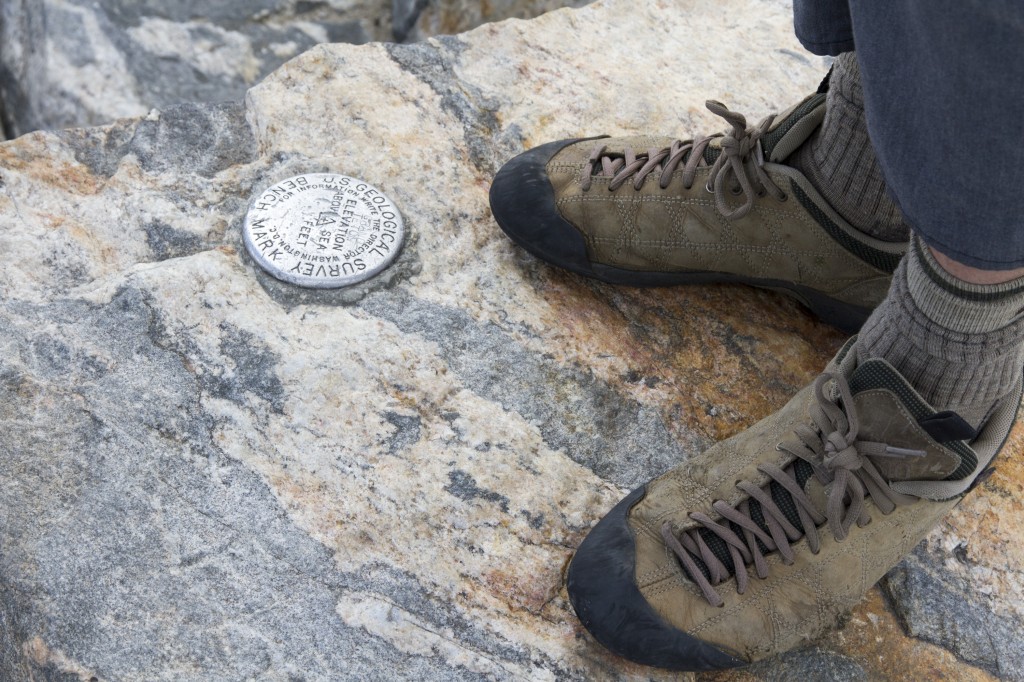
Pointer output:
951, 349
957, 305
841, 164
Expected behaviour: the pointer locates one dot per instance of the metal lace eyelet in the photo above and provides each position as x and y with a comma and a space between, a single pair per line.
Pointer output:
784, 198
708, 188
736, 191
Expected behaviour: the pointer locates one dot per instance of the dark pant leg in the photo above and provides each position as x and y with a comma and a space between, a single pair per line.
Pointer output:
944, 96
823, 26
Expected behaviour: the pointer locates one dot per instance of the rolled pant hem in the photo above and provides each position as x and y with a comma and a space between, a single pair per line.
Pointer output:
827, 49
966, 258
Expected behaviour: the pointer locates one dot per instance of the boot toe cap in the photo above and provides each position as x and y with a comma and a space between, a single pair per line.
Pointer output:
523, 204
603, 591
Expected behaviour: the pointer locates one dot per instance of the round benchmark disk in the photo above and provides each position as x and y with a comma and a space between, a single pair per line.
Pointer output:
323, 230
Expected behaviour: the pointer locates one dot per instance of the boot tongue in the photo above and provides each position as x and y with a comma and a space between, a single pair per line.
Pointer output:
895, 414
939, 453
713, 151
792, 127
788, 131
804, 474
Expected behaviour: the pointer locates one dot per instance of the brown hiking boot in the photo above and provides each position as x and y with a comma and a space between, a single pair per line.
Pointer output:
725, 208
764, 540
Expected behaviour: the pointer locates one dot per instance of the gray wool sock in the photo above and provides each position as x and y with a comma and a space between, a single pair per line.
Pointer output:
841, 164
960, 345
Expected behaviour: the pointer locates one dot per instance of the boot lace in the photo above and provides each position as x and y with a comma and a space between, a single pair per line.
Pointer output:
839, 460
739, 168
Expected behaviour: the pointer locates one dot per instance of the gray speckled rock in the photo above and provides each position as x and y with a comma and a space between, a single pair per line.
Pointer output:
208, 474
66, 63
937, 601
809, 664
413, 20
78, 62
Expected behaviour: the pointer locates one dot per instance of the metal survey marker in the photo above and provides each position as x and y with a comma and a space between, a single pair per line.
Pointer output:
323, 230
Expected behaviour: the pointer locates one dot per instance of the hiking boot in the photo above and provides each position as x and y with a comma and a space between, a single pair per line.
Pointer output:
764, 540
648, 211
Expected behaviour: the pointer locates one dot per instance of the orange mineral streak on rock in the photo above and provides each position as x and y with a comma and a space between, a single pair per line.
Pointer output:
36, 650
716, 358
523, 592
875, 639
986, 527
39, 653
32, 155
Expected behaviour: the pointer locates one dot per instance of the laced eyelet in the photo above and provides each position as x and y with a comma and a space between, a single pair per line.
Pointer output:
708, 188
736, 191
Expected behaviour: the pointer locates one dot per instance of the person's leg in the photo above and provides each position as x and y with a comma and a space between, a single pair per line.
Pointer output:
943, 96
954, 162
821, 498
959, 343
838, 158
823, 27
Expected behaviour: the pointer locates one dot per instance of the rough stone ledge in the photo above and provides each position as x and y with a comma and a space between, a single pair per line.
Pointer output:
72, 63
207, 475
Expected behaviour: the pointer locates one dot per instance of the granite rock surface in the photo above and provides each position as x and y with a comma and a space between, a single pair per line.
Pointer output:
68, 63
209, 474
413, 20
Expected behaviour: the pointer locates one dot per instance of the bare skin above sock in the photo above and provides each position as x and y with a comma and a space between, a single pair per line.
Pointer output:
960, 345
840, 162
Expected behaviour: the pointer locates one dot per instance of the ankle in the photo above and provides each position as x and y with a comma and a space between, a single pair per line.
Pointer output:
971, 275
961, 298
961, 345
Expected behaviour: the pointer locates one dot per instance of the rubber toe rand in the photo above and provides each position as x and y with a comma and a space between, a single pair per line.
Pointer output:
602, 589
